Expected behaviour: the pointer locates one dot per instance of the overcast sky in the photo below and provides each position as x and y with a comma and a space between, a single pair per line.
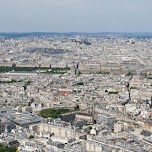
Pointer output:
75, 15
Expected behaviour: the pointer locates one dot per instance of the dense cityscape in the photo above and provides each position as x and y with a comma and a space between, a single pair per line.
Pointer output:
76, 92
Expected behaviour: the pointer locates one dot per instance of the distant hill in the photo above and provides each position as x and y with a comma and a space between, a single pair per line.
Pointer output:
70, 34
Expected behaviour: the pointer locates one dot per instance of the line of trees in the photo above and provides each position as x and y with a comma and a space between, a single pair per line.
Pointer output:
53, 113
14, 68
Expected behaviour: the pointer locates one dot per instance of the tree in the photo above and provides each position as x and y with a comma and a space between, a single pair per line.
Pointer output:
89, 127
130, 74
54, 113
79, 73
7, 149
31, 137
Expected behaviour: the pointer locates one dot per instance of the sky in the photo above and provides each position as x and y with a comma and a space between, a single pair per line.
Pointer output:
76, 16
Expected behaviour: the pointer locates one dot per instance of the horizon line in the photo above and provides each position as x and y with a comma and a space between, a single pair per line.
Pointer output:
73, 32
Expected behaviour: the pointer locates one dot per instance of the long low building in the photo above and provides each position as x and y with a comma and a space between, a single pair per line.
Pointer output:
20, 74
98, 68
57, 129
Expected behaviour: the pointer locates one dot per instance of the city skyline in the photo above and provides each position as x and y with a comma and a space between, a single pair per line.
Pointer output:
75, 76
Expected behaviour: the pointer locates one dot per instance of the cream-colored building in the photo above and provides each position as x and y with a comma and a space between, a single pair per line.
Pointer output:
130, 108
118, 127
93, 146
84, 117
53, 129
